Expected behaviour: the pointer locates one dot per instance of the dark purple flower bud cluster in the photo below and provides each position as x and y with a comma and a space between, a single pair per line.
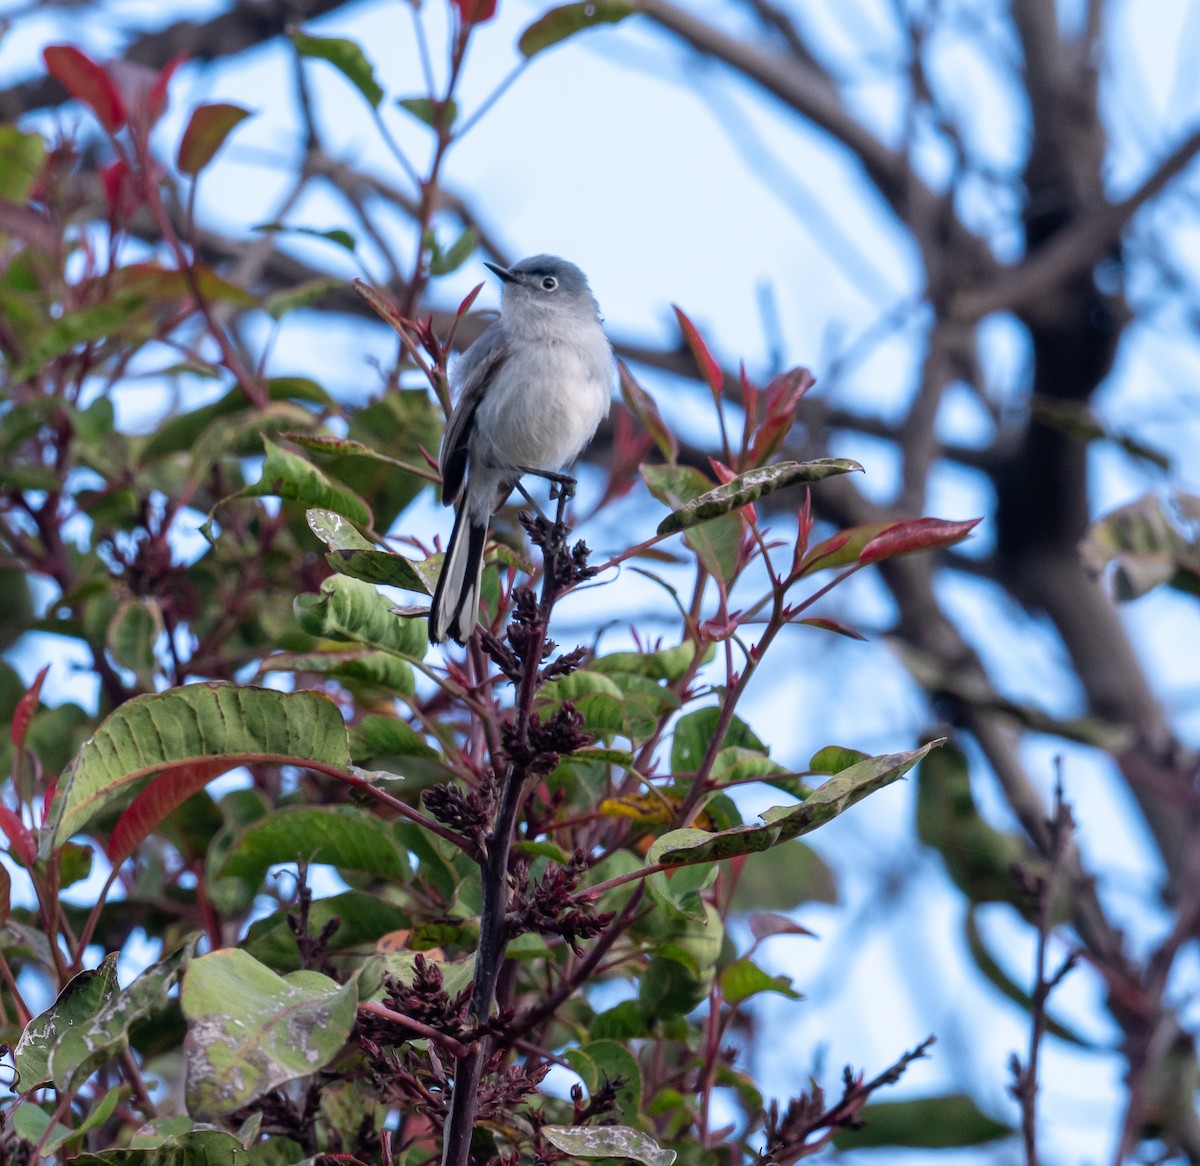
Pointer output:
548, 906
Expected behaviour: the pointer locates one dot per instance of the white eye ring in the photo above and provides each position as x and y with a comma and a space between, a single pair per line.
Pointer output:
549, 283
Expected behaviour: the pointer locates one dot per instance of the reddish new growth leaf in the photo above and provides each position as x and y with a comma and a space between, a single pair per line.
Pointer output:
915, 534
725, 474
86, 81
26, 707
468, 300
167, 792
642, 406
783, 396
710, 370
20, 838
630, 448
120, 190
472, 12
156, 102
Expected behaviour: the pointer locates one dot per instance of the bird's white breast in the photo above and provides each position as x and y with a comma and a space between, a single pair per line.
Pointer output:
547, 399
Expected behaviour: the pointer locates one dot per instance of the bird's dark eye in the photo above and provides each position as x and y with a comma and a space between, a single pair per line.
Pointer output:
549, 283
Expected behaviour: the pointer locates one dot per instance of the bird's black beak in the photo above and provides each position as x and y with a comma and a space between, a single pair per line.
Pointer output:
501, 272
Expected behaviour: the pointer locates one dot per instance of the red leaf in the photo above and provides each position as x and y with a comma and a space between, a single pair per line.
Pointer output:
468, 300
722, 626
783, 396
166, 792
156, 102
630, 447
19, 836
120, 191
750, 395
207, 130
832, 625
724, 475
48, 798
705, 361
841, 549
25, 709
768, 924
472, 12
86, 81
642, 406
915, 534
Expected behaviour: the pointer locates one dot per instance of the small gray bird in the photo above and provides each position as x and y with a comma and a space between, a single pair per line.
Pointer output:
531, 392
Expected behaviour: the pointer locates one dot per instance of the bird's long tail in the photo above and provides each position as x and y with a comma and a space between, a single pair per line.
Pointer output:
456, 597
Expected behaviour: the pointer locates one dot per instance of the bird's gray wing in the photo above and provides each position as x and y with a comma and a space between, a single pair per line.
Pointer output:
475, 371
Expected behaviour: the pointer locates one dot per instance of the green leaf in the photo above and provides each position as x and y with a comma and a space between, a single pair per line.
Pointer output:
608, 1061
21, 157
194, 1148
620, 1023
337, 235
362, 919
623, 703
425, 110
749, 487
83, 1048
345, 56
349, 609
1141, 546
31, 1123
181, 432
356, 666
206, 132
825, 803
376, 736
456, 974
166, 284
198, 722
621, 1142
115, 317
568, 19
718, 544
77, 1004
978, 857
444, 262
351, 554
132, 635
303, 295
927, 1123
665, 664
250, 1030
694, 733
835, 758
782, 879
340, 836
287, 475
742, 979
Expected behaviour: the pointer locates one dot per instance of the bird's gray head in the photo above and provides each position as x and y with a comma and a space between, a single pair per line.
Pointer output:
545, 284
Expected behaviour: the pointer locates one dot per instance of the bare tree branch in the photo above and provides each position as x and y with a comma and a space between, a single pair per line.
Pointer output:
1072, 250
244, 25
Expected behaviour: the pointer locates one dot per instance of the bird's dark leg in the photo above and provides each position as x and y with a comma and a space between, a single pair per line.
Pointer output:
531, 500
561, 485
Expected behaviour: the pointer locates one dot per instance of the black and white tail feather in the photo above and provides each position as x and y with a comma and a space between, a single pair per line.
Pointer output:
532, 390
